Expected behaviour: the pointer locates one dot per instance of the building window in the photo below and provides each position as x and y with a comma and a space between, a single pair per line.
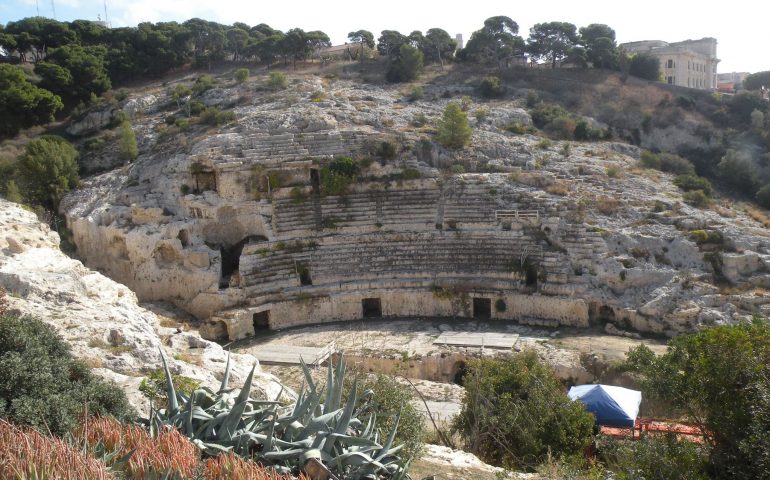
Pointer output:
670, 80
670, 63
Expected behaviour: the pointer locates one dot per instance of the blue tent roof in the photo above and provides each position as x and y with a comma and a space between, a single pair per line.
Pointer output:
612, 406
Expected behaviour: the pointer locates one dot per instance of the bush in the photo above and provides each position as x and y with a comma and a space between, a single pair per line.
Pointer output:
453, 129
547, 113
645, 66
153, 386
391, 398
41, 385
386, 150
128, 148
718, 378
215, 117
196, 107
277, 81
585, 132
737, 169
516, 413
202, 84
561, 127
649, 159
338, 175
690, 182
407, 66
696, 198
491, 87
241, 75
659, 457
417, 93
47, 170
763, 196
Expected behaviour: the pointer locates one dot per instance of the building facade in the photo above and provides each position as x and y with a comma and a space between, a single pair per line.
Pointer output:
691, 63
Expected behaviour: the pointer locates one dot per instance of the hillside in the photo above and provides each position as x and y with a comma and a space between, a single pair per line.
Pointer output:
222, 220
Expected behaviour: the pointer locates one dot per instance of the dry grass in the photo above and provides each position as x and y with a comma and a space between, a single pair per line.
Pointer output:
171, 454
27, 454
607, 205
229, 466
558, 188
758, 215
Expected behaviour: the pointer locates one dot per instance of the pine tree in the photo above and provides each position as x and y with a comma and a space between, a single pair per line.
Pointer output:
128, 149
453, 128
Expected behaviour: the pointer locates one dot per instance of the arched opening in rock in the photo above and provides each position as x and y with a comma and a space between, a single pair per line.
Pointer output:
606, 314
184, 237
315, 180
261, 321
482, 308
371, 307
231, 258
460, 369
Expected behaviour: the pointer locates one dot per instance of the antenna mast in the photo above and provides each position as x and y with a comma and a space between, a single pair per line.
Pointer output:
37, 7
53, 7
106, 18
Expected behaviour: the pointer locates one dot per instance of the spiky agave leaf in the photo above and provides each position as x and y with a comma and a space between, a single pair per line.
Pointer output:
173, 406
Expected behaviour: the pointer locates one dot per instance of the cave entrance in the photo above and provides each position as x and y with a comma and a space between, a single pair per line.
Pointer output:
460, 370
184, 238
371, 307
231, 259
315, 180
482, 308
261, 321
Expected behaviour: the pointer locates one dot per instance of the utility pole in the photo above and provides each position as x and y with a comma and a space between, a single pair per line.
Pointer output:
53, 7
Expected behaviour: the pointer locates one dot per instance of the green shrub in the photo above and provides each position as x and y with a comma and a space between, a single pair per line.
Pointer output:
128, 148
317, 96
182, 123
170, 120
214, 116
718, 378
613, 171
196, 107
696, 198
516, 413
184, 189
652, 456
391, 398
407, 66
338, 175
519, 128
690, 182
409, 174
241, 75
675, 164
41, 385
763, 196
277, 81
417, 93
153, 386
47, 170
544, 114
202, 84
562, 127
457, 168
649, 159
453, 129
386, 150
585, 132
491, 87
737, 169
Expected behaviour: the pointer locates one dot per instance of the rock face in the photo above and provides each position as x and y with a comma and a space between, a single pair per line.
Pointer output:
234, 225
100, 318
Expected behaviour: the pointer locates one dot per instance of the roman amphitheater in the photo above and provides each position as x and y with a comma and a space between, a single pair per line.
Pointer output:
234, 225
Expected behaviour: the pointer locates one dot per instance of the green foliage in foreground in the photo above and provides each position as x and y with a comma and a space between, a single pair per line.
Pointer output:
47, 170
720, 379
41, 385
392, 400
319, 426
517, 414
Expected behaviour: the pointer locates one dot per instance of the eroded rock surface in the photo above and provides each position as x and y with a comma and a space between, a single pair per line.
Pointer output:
99, 317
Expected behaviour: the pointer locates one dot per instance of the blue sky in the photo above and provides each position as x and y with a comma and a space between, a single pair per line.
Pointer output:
740, 26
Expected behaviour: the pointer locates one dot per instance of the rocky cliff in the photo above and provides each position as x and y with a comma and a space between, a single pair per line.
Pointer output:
232, 225
99, 317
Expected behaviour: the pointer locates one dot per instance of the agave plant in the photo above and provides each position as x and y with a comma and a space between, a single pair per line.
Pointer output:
317, 434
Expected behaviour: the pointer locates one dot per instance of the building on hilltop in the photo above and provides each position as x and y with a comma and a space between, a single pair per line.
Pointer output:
690, 63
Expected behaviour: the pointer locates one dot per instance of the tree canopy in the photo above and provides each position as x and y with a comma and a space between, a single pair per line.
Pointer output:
496, 42
599, 42
453, 129
23, 104
719, 378
47, 170
552, 41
